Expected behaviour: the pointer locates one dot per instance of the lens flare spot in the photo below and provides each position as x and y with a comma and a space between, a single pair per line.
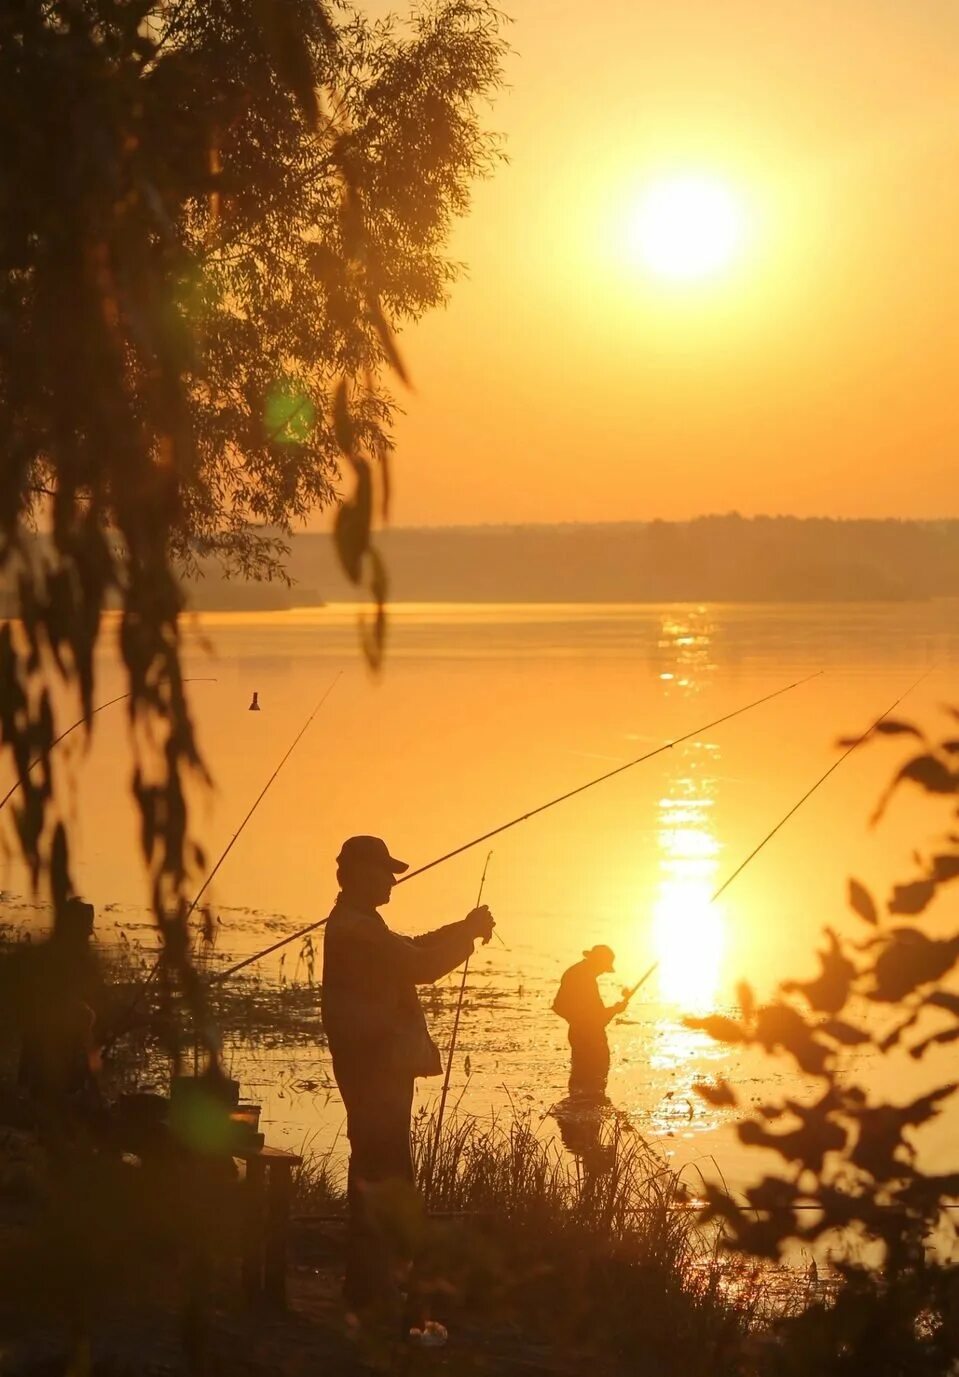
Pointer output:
289, 415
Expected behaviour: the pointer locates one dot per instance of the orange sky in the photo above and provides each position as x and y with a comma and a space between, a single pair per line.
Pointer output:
817, 376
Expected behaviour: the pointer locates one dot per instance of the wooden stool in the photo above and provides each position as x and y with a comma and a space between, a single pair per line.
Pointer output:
266, 1224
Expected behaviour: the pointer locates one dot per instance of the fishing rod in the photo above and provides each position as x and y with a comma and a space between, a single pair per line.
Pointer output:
145, 985
639, 983
81, 721
449, 1057
853, 745
504, 827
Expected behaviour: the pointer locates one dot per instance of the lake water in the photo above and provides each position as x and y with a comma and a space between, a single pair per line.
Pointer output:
482, 714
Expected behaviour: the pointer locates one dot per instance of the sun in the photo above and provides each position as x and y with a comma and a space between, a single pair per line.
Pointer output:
688, 227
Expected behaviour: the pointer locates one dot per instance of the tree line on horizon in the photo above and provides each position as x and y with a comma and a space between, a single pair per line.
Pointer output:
726, 558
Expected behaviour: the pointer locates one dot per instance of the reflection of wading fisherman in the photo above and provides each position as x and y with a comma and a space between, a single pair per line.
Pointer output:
578, 1002
378, 1038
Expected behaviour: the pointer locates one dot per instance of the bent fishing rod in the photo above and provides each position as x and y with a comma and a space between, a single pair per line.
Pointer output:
145, 985
853, 745
514, 822
120, 698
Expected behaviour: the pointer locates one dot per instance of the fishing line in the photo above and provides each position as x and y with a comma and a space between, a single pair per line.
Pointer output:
206, 883
477, 841
79, 723
821, 780
601, 779
203, 888
854, 745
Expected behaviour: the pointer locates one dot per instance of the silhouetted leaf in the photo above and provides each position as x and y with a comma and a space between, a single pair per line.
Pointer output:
717, 1026
808, 1144
720, 1095
913, 897
881, 1129
828, 992
951, 745
890, 727
944, 999
779, 1025
747, 1001
908, 960
845, 1033
934, 776
937, 1039
892, 1038
861, 900
944, 868
928, 771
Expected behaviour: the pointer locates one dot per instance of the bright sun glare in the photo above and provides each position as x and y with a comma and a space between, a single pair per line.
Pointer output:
687, 227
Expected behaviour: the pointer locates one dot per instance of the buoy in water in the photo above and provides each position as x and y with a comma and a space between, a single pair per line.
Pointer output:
255, 705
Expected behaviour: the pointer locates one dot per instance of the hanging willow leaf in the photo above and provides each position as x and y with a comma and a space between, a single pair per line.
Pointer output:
381, 325
374, 637
343, 428
330, 37
351, 529
289, 54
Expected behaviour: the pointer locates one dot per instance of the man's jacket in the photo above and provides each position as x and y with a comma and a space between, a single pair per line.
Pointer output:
371, 1011
579, 1002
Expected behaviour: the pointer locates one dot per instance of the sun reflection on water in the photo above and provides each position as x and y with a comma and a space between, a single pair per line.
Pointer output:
688, 929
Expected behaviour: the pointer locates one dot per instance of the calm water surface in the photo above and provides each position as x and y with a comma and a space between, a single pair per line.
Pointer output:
483, 713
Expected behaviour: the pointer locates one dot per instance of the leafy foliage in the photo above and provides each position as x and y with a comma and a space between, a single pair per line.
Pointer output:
851, 1169
214, 215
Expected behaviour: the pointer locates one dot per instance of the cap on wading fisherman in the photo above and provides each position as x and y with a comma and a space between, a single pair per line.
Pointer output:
379, 1042
578, 1001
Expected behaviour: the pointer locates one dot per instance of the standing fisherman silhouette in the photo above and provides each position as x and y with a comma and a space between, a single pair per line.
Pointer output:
379, 1044
578, 1001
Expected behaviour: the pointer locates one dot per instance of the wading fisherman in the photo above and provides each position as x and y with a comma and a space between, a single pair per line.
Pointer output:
578, 1001
379, 1044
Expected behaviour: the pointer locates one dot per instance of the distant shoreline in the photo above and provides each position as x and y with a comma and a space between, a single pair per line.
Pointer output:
725, 559
714, 559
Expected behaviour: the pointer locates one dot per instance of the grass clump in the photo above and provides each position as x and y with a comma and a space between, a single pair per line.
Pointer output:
605, 1259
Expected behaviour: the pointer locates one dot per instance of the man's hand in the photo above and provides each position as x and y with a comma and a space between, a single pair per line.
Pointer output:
480, 923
